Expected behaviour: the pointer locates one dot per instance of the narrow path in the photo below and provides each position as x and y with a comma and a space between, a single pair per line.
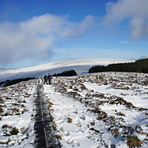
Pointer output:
45, 136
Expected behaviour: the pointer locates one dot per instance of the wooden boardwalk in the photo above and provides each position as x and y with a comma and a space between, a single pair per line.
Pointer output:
44, 128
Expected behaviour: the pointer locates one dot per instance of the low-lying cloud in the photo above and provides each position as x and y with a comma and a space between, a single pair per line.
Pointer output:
134, 10
34, 38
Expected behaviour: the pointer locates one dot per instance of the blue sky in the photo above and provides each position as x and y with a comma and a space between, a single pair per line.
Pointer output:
34, 32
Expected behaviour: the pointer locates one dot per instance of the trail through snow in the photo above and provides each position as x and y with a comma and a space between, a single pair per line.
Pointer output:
89, 111
99, 110
74, 123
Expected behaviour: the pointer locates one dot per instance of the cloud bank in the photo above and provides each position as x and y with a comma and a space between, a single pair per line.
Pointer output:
34, 38
134, 10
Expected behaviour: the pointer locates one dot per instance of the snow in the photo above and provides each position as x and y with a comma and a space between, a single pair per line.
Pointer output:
74, 133
18, 111
89, 110
84, 128
132, 96
80, 66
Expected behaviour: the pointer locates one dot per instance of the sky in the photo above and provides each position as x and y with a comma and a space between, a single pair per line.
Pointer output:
34, 32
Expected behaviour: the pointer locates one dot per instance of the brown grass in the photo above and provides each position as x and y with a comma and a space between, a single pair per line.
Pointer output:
50, 104
15, 109
69, 120
59, 136
1, 110
120, 114
101, 115
115, 132
133, 141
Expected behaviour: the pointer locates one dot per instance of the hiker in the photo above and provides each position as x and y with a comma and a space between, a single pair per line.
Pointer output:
45, 79
49, 78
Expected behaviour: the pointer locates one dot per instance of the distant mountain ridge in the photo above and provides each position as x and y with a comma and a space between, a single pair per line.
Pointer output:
143, 57
80, 66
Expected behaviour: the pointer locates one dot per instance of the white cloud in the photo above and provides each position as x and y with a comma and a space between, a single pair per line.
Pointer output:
134, 10
35, 38
139, 27
73, 30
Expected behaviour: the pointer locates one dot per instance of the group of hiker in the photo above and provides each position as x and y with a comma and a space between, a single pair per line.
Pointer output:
47, 79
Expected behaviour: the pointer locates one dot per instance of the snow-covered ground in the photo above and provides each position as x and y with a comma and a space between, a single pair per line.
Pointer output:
16, 115
80, 66
100, 110
89, 111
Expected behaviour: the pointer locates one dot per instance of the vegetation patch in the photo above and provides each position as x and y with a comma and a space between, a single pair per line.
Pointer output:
115, 132
5, 142
138, 66
9, 130
14, 131
110, 108
120, 114
66, 73
1, 110
50, 104
12, 82
59, 136
133, 141
101, 115
69, 120
1, 100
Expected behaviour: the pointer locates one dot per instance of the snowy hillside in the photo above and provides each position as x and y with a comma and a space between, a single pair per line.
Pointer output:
80, 66
99, 110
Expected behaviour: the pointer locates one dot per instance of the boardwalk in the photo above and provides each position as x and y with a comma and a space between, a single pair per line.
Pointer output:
45, 136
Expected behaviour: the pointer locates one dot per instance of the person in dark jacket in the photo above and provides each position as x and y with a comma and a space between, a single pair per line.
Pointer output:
49, 78
45, 79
